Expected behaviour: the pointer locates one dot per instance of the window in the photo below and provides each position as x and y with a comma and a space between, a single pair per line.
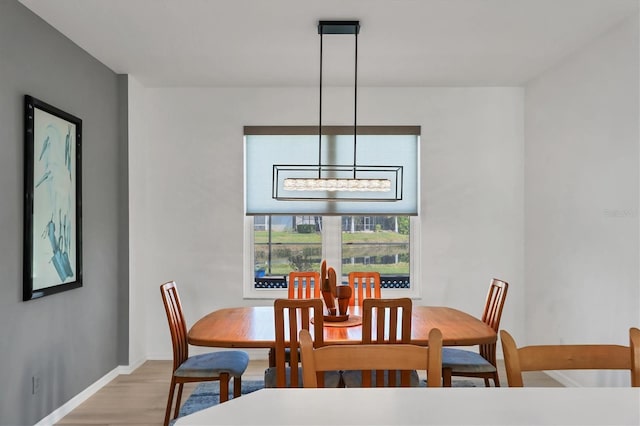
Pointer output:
281, 244
380, 244
283, 236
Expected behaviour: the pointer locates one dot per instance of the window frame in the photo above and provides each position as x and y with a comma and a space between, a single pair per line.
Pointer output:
332, 239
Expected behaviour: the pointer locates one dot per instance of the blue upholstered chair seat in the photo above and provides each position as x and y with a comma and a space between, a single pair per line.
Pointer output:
214, 363
353, 379
463, 361
331, 378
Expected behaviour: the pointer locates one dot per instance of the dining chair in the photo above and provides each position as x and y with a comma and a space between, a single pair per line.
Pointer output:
370, 357
570, 357
304, 285
301, 285
634, 342
384, 321
291, 316
466, 363
364, 285
213, 366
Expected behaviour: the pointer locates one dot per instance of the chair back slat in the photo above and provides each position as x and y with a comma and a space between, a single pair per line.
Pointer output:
392, 319
570, 357
368, 357
492, 314
364, 285
291, 316
634, 343
177, 324
304, 285
494, 303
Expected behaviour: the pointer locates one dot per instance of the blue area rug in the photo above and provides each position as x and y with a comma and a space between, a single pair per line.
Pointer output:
207, 394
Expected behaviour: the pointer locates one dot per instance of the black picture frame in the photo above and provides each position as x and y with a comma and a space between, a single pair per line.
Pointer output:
52, 260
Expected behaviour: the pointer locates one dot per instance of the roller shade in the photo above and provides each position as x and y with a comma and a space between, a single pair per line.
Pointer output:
396, 146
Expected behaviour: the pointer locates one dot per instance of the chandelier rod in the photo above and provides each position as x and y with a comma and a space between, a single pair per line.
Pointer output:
355, 106
320, 119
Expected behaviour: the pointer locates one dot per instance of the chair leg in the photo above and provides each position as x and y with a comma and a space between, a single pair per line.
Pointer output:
224, 387
496, 380
178, 398
486, 383
272, 357
169, 402
446, 377
237, 386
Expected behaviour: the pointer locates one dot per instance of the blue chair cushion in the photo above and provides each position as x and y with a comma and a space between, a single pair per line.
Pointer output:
214, 363
465, 361
331, 378
353, 378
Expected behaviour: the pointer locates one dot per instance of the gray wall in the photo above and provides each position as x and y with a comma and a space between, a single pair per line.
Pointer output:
73, 338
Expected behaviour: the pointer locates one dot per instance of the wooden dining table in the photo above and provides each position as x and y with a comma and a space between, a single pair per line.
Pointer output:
253, 327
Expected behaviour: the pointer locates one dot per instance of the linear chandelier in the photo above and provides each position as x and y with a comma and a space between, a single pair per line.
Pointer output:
323, 181
331, 184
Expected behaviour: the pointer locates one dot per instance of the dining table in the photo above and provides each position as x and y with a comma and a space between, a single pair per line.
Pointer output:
254, 327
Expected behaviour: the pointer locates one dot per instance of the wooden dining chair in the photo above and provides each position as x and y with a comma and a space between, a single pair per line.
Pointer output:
459, 362
213, 366
570, 357
384, 321
634, 342
291, 316
304, 285
369, 357
364, 285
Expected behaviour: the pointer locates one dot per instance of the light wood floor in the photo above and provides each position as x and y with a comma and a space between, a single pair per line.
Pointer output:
139, 399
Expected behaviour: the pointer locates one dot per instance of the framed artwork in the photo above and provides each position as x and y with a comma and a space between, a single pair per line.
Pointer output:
52, 200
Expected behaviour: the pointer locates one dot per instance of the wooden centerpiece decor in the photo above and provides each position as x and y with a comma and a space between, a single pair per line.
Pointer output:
331, 291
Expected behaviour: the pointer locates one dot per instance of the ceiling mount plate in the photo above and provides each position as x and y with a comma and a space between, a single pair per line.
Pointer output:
339, 27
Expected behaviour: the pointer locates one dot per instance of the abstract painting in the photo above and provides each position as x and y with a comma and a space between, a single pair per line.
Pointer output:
53, 194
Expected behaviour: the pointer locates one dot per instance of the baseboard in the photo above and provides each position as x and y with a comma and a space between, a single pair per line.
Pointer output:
566, 381
74, 402
128, 369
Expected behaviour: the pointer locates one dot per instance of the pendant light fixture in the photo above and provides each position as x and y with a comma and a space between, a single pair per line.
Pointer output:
327, 182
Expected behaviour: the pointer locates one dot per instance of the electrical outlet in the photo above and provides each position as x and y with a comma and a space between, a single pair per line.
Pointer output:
35, 385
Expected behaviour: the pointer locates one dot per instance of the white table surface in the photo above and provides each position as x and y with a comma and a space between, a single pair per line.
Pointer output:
424, 406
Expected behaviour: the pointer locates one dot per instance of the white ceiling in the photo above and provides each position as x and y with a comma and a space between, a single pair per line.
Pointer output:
275, 42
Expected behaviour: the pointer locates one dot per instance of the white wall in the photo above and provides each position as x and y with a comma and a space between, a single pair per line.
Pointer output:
581, 199
189, 227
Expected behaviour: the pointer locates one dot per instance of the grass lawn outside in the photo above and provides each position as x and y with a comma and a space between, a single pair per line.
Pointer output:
286, 245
